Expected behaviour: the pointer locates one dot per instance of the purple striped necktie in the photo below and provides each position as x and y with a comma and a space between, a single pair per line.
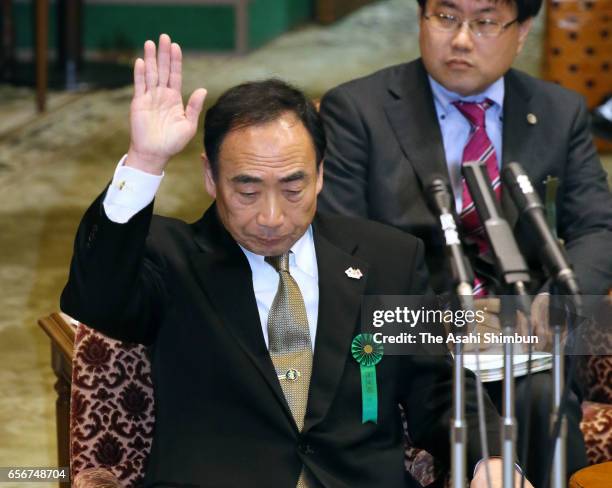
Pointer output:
478, 148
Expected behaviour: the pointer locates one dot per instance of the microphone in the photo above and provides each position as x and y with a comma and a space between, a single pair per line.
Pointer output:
529, 205
509, 261
440, 202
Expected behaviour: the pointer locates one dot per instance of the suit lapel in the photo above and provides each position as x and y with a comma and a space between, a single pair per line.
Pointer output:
412, 115
339, 308
231, 293
518, 134
224, 273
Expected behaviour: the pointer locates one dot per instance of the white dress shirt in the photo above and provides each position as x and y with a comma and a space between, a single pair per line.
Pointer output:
132, 190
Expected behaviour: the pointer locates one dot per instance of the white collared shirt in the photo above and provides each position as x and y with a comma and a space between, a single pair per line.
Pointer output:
132, 190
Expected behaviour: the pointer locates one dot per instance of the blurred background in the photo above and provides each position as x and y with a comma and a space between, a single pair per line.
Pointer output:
65, 74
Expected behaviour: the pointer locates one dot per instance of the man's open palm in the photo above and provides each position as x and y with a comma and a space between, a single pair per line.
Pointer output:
160, 125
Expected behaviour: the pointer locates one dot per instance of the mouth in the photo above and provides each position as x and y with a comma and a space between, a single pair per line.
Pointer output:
270, 241
457, 63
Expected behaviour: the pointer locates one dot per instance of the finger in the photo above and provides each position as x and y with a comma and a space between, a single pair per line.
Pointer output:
139, 77
163, 60
176, 67
195, 104
150, 65
520, 323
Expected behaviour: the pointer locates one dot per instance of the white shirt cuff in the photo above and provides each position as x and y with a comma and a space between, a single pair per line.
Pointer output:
130, 191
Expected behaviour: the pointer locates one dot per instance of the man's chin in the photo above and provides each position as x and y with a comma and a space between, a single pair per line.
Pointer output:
269, 247
465, 86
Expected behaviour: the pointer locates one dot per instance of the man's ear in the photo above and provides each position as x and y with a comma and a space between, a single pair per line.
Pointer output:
320, 177
524, 28
209, 179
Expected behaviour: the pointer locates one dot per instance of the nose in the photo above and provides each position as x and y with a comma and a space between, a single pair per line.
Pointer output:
271, 213
462, 39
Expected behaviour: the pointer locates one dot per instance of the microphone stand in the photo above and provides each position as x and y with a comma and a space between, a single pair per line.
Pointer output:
559, 469
462, 278
509, 424
459, 427
514, 271
556, 308
557, 265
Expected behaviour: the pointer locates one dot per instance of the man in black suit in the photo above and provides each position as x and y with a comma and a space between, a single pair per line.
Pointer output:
389, 134
209, 298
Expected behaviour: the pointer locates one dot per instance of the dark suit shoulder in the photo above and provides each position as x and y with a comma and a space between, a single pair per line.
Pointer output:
166, 233
545, 92
364, 232
367, 87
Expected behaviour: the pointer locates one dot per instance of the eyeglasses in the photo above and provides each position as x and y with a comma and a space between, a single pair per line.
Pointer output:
479, 27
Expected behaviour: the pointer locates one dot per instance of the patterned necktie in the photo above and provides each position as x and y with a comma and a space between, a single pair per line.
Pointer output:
478, 148
289, 343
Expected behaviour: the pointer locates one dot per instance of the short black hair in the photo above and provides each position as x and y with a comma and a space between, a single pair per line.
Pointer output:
256, 103
525, 8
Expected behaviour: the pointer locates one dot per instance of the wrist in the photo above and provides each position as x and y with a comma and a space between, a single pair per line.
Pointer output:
149, 163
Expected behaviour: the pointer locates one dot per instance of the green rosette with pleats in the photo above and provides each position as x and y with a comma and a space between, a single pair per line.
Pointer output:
368, 354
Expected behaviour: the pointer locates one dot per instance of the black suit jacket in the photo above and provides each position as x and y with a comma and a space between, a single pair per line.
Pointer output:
221, 417
384, 145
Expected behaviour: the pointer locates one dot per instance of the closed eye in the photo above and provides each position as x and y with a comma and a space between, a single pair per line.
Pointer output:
293, 194
483, 22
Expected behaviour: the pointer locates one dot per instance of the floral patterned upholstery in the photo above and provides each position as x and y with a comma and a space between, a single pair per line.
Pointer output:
597, 411
111, 406
595, 376
596, 426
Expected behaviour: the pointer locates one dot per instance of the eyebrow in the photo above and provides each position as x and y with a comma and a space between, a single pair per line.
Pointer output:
487, 9
447, 3
246, 179
450, 4
298, 175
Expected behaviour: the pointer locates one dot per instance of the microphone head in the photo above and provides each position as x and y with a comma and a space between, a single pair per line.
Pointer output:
519, 185
481, 190
511, 172
437, 191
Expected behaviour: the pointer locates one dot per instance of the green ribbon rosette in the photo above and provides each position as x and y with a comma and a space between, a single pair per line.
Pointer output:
368, 354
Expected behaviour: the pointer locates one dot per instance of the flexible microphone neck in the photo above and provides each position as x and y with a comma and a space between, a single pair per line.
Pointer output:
440, 202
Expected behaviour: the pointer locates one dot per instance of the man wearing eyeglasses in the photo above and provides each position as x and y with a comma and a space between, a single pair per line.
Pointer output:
390, 132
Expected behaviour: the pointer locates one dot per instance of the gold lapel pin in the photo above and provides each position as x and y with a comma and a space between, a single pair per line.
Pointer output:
354, 273
532, 119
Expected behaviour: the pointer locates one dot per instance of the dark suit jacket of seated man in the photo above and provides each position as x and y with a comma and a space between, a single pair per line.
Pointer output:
390, 133
194, 294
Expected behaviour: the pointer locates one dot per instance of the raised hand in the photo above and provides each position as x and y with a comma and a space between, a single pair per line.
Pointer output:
160, 125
